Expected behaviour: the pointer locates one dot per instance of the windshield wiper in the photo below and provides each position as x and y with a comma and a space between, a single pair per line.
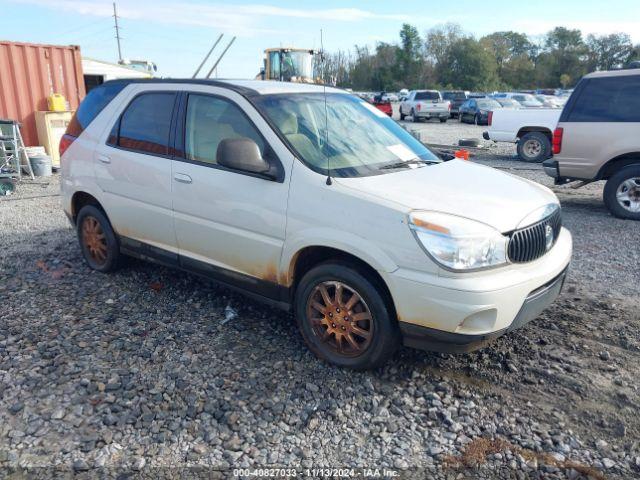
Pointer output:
406, 163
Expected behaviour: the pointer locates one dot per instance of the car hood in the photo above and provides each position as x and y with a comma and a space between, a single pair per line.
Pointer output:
460, 188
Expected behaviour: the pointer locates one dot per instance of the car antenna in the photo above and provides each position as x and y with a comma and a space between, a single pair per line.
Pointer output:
326, 114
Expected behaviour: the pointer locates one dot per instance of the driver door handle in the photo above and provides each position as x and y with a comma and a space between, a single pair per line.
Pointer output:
182, 178
104, 159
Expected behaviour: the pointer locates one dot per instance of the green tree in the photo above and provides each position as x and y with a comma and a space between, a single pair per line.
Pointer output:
468, 65
410, 54
565, 53
439, 40
609, 51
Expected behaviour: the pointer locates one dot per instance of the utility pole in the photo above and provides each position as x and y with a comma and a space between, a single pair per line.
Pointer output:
115, 17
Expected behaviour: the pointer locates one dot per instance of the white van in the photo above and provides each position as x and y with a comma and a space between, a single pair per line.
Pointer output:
358, 229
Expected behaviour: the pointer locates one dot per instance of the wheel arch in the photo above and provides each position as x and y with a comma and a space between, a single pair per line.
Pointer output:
81, 198
544, 130
310, 256
618, 163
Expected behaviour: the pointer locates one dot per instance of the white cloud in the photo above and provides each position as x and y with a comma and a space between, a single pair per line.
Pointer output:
241, 20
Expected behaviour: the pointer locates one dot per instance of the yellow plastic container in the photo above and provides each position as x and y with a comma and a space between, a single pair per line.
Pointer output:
57, 103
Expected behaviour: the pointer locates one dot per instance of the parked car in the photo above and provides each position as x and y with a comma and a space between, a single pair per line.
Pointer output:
457, 98
391, 97
525, 99
549, 101
425, 104
507, 103
477, 110
354, 226
381, 102
598, 138
530, 129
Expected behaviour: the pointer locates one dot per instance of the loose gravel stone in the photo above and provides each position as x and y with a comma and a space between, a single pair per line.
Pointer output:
133, 370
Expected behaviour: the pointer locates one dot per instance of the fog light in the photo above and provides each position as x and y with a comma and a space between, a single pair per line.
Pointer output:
479, 322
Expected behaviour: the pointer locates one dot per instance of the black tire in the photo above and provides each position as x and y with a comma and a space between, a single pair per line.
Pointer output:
534, 147
383, 328
111, 259
443, 120
631, 175
468, 142
413, 116
402, 115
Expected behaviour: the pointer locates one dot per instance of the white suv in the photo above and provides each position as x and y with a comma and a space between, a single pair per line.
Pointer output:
360, 230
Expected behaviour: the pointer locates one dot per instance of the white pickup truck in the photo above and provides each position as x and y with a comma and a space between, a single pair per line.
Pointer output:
425, 104
531, 128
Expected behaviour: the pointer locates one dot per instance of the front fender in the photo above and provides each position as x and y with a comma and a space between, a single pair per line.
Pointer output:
349, 243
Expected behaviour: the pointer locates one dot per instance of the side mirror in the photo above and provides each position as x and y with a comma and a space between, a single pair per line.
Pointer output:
241, 154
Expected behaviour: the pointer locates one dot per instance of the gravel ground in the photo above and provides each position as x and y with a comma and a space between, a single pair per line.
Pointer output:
151, 367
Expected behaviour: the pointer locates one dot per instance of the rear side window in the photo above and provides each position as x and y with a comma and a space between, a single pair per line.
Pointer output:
146, 123
92, 105
427, 96
610, 99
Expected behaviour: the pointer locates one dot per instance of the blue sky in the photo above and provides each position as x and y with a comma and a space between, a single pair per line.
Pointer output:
177, 34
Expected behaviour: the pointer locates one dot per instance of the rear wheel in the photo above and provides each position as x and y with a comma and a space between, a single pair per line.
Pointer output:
534, 147
413, 115
98, 241
622, 193
344, 318
443, 120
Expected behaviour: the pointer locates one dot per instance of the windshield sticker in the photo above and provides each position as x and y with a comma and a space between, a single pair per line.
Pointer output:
374, 110
402, 152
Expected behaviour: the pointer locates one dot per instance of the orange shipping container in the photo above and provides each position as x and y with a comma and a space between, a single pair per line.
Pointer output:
30, 73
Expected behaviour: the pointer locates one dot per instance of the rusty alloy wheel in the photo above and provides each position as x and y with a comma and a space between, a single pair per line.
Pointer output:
346, 327
94, 240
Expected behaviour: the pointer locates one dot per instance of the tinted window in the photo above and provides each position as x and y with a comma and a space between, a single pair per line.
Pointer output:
211, 120
146, 123
612, 99
488, 104
92, 105
427, 96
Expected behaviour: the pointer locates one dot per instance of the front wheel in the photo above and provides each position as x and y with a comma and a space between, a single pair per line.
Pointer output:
402, 115
622, 193
344, 318
443, 120
534, 147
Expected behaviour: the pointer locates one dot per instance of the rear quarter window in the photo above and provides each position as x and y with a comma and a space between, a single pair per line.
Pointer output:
610, 99
427, 96
145, 124
92, 105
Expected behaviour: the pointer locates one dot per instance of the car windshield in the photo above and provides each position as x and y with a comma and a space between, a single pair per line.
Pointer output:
427, 96
486, 104
361, 140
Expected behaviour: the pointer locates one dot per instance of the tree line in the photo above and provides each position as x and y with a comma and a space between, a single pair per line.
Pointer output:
446, 57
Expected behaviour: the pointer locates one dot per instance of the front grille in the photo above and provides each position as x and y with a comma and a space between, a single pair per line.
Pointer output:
529, 243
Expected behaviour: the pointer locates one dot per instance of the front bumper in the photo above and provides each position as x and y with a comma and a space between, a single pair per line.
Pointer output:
425, 338
461, 312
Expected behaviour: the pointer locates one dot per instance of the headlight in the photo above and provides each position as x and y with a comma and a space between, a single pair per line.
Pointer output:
458, 243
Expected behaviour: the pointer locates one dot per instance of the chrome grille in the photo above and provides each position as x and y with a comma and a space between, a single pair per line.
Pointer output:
530, 243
